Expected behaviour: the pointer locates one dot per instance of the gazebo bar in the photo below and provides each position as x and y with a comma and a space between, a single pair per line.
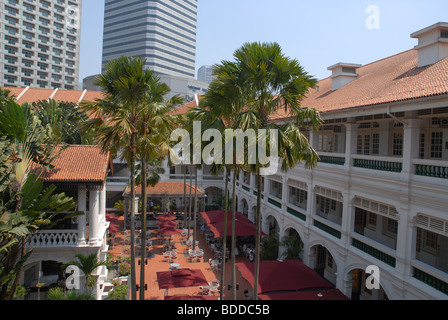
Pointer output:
166, 197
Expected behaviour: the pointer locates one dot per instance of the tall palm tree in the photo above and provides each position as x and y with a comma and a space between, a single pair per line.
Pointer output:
115, 118
217, 110
156, 125
268, 81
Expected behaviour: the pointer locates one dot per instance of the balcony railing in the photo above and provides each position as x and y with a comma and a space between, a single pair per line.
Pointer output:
431, 168
374, 252
337, 159
388, 164
53, 238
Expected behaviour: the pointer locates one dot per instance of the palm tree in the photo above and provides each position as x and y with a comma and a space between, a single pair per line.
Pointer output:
88, 265
116, 117
268, 81
154, 144
217, 110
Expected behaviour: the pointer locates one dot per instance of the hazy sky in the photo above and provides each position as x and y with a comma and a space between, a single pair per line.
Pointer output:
317, 33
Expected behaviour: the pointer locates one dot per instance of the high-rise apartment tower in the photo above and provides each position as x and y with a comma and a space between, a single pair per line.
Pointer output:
161, 31
40, 42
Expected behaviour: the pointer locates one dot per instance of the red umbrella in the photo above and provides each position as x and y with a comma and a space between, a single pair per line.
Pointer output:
315, 294
181, 278
191, 297
167, 223
170, 231
166, 217
283, 276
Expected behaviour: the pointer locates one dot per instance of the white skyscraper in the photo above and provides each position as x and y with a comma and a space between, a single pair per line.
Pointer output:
205, 74
40, 42
162, 31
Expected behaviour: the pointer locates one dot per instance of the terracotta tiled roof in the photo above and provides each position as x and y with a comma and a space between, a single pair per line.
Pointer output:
183, 109
35, 94
79, 163
393, 79
170, 188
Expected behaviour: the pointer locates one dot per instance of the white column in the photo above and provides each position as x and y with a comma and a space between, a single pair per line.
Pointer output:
411, 135
102, 209
94, 205
82, 206
350, 143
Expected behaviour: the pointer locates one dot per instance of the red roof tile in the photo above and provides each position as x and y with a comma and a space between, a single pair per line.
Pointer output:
79, 163
170, 188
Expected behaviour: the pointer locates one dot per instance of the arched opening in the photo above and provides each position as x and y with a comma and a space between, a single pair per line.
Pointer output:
324, 263
215, 199
292, 245
360, 289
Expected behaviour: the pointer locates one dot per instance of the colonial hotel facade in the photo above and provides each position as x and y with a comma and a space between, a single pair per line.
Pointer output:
379, 195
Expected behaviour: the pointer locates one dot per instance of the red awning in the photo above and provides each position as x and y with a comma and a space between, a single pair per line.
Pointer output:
215, 221
181, 278
323, 294
284, 275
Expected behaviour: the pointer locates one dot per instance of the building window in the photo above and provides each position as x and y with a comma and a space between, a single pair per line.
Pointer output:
397, 147
436, 144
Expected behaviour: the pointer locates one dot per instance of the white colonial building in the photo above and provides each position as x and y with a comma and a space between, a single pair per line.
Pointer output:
80, 172
379, 194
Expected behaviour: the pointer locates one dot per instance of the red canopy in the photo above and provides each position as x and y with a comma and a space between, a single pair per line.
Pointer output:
215, 221
323, 294
170, 231
181, 278
191, 297
283, 276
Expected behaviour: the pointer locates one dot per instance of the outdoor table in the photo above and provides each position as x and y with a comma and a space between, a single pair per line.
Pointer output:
175, 266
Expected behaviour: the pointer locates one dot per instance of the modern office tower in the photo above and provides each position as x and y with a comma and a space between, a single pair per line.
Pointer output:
205, 74
40, 42
162, 31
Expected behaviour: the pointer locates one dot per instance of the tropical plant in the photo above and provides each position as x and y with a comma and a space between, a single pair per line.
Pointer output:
88, 265
263, 80
292, 245
26, 206
58, 293
119, 292
63, 120
116, 119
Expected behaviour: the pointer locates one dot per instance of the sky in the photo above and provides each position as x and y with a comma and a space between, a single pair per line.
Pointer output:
316, 33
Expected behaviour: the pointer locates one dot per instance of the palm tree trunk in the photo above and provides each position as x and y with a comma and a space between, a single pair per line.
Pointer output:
195, 208
189, 202
224, 238
258, 236
233, 246
185, 196
143, 232
132, 167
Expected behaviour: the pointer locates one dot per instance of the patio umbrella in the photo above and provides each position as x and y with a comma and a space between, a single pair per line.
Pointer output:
287, 275
314, 294
170, 231
191, 297
181, 278
167, 223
